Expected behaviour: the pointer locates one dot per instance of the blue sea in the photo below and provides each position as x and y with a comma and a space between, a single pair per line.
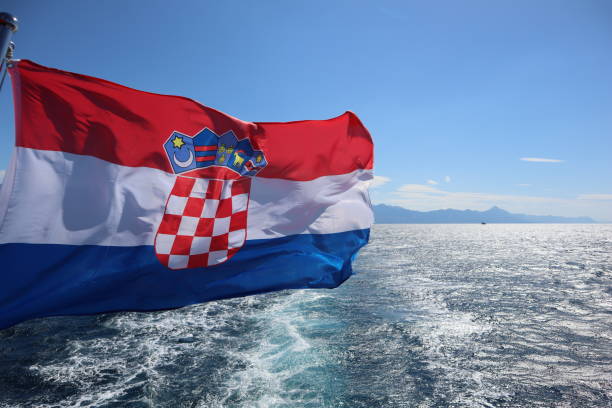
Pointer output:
493, 315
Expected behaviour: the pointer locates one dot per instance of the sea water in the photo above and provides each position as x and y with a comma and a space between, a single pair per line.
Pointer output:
437, 316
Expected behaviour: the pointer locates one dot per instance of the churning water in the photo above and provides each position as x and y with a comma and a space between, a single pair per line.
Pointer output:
437, 316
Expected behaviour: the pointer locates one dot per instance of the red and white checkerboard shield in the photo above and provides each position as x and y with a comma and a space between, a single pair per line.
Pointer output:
204, 222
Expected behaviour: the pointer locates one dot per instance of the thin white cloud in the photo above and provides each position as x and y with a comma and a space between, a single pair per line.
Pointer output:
421, 194
540, 160
379, 181
419, 189
447, 179
595, 197
524, 185
432, 182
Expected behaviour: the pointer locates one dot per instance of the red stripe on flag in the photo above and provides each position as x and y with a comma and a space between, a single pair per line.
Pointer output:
62, 111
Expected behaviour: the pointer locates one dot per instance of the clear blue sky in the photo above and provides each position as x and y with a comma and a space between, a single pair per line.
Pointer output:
454, 92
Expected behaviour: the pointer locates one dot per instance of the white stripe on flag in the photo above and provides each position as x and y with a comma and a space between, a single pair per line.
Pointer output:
64, 198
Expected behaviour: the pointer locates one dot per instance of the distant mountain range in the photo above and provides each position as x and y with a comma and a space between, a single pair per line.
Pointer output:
388, 214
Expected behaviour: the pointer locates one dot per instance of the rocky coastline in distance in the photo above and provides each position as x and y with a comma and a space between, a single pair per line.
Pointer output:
389, 214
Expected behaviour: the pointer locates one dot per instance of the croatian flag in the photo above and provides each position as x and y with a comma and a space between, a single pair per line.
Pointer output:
118, 199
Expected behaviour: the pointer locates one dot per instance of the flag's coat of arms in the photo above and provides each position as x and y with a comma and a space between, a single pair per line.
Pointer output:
205, 219
118, 199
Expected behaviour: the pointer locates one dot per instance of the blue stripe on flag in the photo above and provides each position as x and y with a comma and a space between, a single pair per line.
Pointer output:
47, 279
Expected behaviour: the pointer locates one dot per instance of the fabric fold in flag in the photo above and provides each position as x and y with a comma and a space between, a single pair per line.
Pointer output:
119, 200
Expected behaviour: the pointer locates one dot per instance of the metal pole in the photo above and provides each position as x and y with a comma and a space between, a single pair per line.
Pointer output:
8, 25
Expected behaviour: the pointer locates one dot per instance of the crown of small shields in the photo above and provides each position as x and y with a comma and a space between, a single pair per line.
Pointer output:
207, 149
205, 219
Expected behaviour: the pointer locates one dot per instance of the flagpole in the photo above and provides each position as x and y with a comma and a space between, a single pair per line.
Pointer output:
8, 25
